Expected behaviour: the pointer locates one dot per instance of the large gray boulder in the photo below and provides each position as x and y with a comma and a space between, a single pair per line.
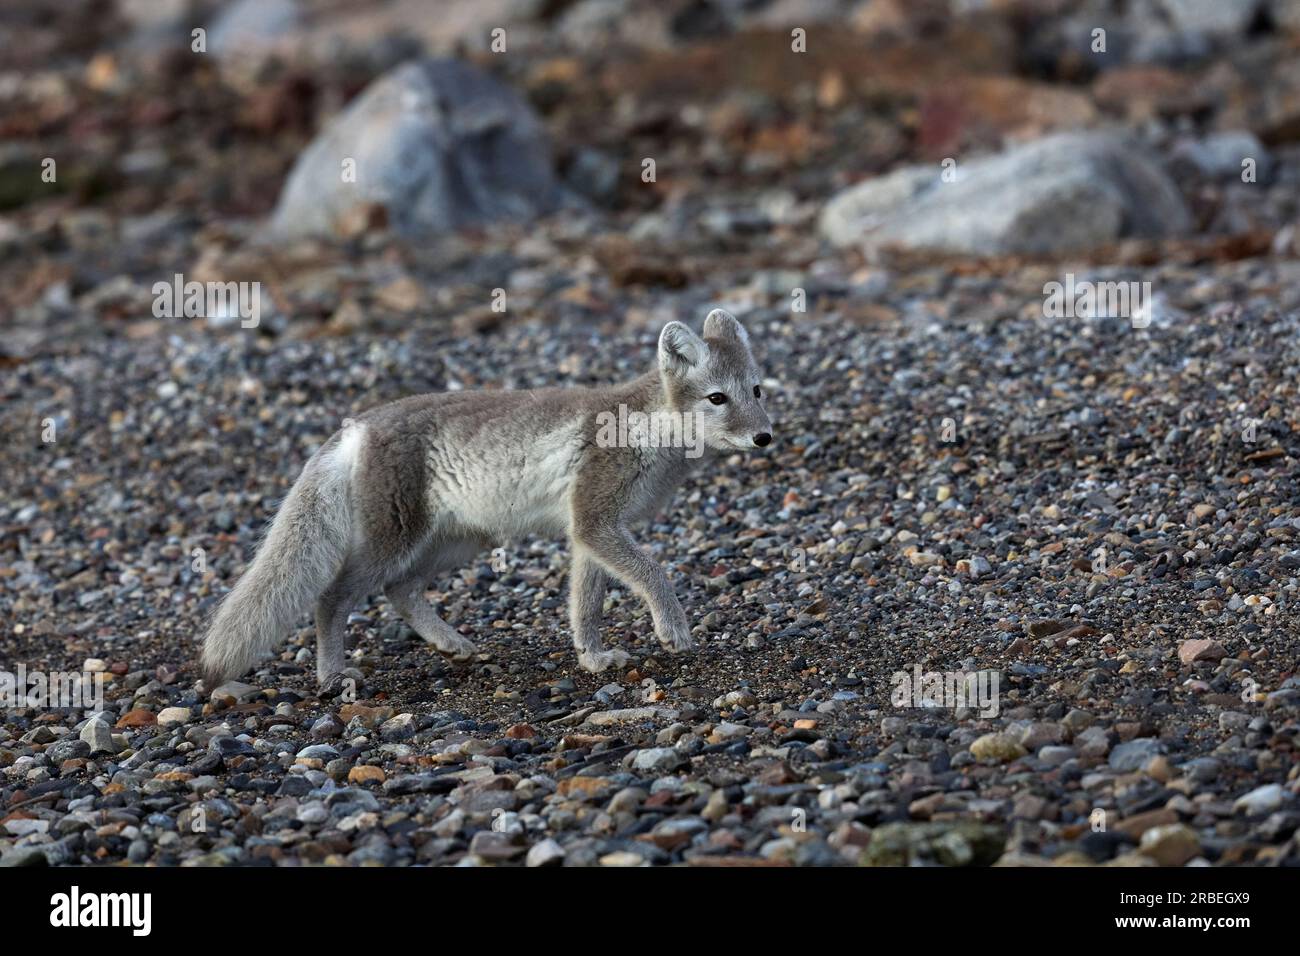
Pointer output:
1063, 193
438, 143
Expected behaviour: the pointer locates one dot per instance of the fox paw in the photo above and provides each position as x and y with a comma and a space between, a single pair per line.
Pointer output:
456, 647
597, 661
675, 638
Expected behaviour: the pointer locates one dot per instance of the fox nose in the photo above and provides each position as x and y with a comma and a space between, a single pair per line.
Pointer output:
762, 440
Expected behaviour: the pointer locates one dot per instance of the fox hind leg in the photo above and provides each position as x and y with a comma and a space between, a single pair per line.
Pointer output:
587, 581
406, 595
332, 611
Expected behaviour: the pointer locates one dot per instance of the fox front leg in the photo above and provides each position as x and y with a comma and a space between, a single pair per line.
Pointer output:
586, 603
614, 548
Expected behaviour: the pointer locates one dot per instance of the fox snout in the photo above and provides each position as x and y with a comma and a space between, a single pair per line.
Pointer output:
751, 421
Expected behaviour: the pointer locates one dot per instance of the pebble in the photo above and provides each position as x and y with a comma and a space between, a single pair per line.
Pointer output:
546, 852
1259, 801
99, 736
1173, 844
998, 748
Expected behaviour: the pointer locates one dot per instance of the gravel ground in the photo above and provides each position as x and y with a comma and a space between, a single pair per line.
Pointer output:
860, 545
1103, 518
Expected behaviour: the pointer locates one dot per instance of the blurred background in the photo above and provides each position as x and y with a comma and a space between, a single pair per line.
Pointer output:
176, 124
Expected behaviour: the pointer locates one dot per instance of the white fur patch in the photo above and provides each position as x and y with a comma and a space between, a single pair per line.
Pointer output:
510, 492
348, 451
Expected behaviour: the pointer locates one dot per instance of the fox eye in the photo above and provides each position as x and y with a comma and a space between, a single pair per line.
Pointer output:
758, 392
717, 398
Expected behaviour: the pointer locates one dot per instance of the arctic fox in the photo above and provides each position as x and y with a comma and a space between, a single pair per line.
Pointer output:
418, 486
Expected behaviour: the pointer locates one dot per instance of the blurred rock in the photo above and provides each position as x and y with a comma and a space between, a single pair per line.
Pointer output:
438, 143
247, 29
1063, 193
1213, 18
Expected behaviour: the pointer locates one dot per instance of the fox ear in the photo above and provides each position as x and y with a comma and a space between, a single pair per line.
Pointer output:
721, 324
680, 348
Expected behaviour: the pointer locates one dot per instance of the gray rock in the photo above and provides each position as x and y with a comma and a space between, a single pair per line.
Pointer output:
1220, 155
173, 715
25, 856
317, 752
247, 28
1263, 799
1093, 742
99, 735
398, 728
1214, 18
1202, 769
326, 727
1134, 755
495, 847
68, 749
236, 689
545, 853
660, 759
1055, 756
1062, 193
438, 143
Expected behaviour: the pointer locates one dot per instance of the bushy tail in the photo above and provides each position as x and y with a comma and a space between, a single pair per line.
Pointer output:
301, 555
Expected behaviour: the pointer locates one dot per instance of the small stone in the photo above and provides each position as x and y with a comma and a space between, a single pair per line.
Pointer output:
370, 717
717, 806
660, 760
1202, 649
1259, 801
998, 748
366, 773
496, 847
99, 735
232, 689
632, 714
1055, 756
326, 728
397, 728
173, 715
584, 788
136, 718
1135, 754
1172, 844
546, 853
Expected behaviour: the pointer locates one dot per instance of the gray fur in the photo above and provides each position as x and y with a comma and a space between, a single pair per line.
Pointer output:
427, 482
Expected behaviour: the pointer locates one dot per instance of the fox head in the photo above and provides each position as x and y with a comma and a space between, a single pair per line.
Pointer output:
716, 380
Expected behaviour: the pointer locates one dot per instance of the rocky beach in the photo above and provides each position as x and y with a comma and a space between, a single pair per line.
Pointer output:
1090, 510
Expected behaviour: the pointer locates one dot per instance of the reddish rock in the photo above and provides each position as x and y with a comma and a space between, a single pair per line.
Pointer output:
137, 718
1201, 649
